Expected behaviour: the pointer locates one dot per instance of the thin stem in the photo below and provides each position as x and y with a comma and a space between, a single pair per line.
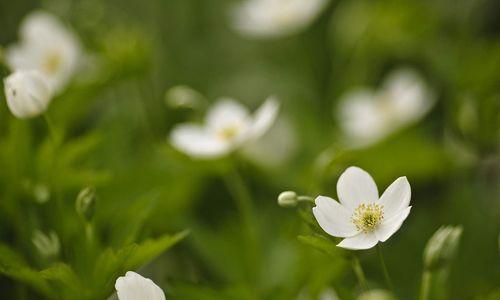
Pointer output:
305, 199
425, 288
51, 127
241, 196
384, 268
358, 271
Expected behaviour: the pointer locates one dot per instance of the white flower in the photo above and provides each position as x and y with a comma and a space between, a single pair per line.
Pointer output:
273, 18
133, 286
27, 93
367, 116
228, 125
361, 218
48, 46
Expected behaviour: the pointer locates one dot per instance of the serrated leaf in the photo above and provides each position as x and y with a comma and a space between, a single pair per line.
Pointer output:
65, 280
150, 249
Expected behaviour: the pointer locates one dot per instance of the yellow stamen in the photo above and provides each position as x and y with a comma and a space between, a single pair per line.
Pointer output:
52, 62
229, 132
367, 216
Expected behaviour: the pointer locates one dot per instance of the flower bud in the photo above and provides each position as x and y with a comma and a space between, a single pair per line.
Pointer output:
47, 245
287, 199
183, 97
442, 247
27, 93
376, 295
85, 203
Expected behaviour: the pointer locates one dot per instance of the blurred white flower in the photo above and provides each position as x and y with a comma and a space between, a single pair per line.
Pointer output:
361, 218
47, 46
228, 125
27, 93
274, 18
133, 286
276, 148
367, 116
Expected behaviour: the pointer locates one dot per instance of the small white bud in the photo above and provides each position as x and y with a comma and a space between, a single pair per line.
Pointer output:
85, 203
27, 93
376, 295
183, 97
442, 247
287, 199
47, 244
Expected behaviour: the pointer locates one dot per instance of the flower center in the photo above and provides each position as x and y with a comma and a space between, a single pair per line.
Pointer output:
229, 132
52, 62
367, 216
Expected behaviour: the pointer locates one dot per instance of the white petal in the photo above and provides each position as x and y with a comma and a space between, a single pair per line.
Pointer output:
356, 186
333, 218
227, 113
47, 46
360, 241
409, 96
396, 197
360, 117
274, 18
197, 141
27, 93
385, 230
264, 117
133, 286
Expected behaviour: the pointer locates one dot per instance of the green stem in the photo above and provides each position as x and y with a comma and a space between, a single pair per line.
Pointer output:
387, 278
241, 196
51, 127
425, 288
305, 199
358, 271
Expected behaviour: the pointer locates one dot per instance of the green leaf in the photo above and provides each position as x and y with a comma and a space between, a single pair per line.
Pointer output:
148, 250
13, 266
65, 280
322, 244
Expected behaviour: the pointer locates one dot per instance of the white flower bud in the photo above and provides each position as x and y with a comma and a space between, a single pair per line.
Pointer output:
47, 244
287, 199
183, 97
441, 247
85, 203
376, 295
27, 93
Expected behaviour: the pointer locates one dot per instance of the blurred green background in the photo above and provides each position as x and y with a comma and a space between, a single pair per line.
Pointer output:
115, 122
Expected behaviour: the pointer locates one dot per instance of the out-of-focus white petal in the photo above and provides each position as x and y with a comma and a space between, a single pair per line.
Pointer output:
27, 93
227, 113
333, 218
396, 197
408, 95
275, 18
276, 147
360, 117
385, 230
360, 241
356, 186
47, 46
196, 141
264, 117
133, 286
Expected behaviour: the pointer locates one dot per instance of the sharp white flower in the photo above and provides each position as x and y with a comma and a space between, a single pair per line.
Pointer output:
367, 116
27, 93
361, 218
48, 46
133, 286
228, 125
274, 18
